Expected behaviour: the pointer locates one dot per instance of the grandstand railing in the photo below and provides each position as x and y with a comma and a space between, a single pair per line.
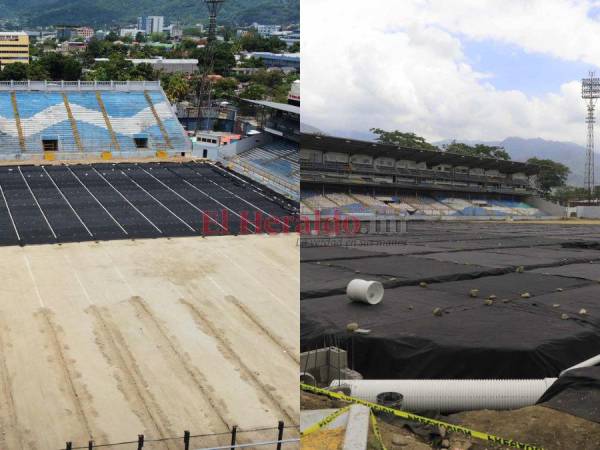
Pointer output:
289, 189
318, 177
422, 173
79, 85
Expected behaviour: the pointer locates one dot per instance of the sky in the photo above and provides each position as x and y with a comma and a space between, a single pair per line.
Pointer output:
449, 69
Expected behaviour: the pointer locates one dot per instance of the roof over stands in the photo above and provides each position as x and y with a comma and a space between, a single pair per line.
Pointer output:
278, 106
354, 146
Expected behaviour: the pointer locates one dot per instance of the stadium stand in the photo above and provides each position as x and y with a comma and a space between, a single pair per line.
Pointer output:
349, 176
279, 156
270, 154
413, 205
87, 117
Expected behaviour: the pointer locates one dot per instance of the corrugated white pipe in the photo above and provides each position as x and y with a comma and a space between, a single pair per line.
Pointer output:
587, 363
453, 395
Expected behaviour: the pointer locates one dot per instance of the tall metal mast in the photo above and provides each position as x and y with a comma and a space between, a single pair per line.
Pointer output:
590, 92
214, 6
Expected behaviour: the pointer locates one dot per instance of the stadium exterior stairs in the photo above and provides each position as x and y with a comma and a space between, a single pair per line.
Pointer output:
113, 136
73, 122
159, 122
13, 99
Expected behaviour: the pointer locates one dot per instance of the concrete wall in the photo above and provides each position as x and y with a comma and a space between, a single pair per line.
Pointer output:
546, 206
588, 212
235, 148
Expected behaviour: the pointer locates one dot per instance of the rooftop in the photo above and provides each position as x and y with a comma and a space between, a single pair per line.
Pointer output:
345, 145
279, 106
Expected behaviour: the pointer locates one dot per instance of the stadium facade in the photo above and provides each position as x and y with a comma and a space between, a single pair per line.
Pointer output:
367, 179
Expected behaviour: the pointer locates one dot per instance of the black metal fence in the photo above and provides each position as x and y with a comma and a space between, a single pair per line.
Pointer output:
267, 437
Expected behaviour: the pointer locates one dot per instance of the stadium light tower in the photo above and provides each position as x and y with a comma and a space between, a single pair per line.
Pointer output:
214, 6
590, 92
208, 62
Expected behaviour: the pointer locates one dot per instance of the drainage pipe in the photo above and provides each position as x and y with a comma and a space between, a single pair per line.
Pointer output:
370, 292
452, 395
587, 363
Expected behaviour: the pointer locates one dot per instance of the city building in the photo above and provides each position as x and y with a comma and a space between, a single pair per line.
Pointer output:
151, 24
83, 32
266, 30
175, 31
133, 32
72, 47
64, 33
280, 60
14, 47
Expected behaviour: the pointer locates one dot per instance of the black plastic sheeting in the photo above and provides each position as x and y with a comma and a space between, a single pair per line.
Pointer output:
577, 392
525, 257
332, 277
519, 338
585, 271
83, 202
514, 337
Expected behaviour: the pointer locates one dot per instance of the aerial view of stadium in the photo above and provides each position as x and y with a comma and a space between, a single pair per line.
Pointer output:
146, 245
449, 288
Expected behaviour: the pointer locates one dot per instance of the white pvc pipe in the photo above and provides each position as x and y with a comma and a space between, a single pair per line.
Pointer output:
364, 291
587, 363
452, 395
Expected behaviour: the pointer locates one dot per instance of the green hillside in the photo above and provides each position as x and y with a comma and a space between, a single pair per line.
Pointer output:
113, 12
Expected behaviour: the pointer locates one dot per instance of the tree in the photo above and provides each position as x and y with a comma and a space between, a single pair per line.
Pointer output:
254, 42
225, 88
14, 71
140, 37
552, 174
402, 139
254, 92
176, 87
479, 150
37, 71
61, 67
143, 71
112, 37
224, 59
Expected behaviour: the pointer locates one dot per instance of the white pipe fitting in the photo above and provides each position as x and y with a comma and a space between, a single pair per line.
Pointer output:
448, 396
370, 292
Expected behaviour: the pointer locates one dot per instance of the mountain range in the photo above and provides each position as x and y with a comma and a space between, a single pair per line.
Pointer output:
568, 153
119, 12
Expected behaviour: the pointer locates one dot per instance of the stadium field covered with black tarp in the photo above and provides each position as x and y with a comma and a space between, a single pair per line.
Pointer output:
83, 202
515, 310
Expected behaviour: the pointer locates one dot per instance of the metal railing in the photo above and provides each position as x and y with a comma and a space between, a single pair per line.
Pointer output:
232, 439
78, 85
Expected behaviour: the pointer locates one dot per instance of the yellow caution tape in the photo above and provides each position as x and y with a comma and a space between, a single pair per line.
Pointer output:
376, 431
422, 420
324, 422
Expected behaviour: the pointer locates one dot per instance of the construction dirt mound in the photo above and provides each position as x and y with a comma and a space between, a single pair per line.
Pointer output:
536, 425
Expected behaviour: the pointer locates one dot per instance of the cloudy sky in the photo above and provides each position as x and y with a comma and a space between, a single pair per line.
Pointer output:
445, 69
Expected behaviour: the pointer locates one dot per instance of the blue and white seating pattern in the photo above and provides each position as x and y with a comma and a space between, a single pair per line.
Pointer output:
280, 157
422, 205
43, 113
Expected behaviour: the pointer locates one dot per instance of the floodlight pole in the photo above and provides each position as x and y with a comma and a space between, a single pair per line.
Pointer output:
214, 6
590, 92
207, 66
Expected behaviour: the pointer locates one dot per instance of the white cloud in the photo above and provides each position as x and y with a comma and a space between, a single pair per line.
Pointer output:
400, 65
